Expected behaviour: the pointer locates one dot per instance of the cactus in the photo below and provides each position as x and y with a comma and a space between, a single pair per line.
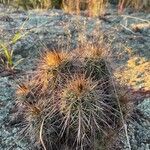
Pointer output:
69, 99
85, 111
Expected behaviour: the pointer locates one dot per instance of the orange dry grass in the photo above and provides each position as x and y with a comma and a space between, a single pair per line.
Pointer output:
136, 4
94, 7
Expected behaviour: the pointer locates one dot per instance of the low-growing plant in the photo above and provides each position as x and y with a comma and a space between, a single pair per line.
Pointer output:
85, 111
6, 53
40, 119
70, 99
7, 59
51, 67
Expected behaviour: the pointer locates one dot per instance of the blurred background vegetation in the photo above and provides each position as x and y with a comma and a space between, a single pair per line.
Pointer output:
94, 7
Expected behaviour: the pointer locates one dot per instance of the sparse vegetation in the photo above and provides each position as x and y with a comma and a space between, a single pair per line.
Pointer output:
28, 4
94, 7
6, 57
135, 4
6, 54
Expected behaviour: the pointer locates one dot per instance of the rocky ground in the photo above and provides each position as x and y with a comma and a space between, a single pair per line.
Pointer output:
53, 29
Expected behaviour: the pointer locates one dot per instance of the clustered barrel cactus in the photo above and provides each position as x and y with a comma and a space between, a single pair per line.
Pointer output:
69, 102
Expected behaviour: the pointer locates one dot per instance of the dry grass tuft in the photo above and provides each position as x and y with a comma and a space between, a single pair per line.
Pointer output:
135, 4
94, 7
29, 4
97, 7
